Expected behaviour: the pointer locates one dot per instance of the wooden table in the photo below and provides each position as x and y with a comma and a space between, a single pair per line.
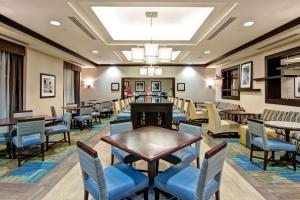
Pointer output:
151, 144
238, 115
13, 121
287, 127
151, 106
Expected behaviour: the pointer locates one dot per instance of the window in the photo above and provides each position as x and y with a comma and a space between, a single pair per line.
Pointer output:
230, 83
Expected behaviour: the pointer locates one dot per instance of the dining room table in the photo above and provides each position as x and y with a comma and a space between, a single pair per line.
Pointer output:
239, 116
287, 127
151, 144
13, 121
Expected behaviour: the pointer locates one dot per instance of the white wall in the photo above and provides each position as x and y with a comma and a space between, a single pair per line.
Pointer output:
37, 62
255, 101
193, 77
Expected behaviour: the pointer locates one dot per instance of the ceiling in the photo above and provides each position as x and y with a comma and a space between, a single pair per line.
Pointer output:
186, 26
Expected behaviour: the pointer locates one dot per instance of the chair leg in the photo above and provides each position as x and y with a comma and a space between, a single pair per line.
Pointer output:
47, 142
69, 138
8, 149
198, 162
217, 194
19, 157
273, 155
294, 161
156, 194
80, 125
251, 152
91, 124
13, 151
112, 159
43, 151
146, 194
265, 160
65, 138
157, 166
86, 195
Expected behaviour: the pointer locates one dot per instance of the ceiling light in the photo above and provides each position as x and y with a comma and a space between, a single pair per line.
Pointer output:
206, 52
95, 51
247, 24
137, 54
158, 71
151, 71
165, 55
143, 71
55, 23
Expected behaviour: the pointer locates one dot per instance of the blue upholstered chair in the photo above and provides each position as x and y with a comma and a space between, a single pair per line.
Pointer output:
85, 116
119, 127
259, 141
5, 138
115, 182
20, 114
58, 119
60, 129
189, 153
96, 113
30, 132
189, 183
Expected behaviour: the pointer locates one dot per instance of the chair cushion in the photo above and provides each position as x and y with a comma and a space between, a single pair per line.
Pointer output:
186, 155
96, 114
59, 118
56, 130
28, 140
82, 118
274, 144
123, 116
181, 181
179, 117
121, 181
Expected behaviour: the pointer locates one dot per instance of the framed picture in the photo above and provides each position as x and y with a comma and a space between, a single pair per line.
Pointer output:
297, 87
47, 86
246, 75
140, 86
115, 87
155, 86
180, 86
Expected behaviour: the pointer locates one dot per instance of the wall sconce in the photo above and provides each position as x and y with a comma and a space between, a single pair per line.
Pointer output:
88, 83
210, 83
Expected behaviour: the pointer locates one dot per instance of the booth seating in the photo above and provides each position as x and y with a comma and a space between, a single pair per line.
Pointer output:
274, 115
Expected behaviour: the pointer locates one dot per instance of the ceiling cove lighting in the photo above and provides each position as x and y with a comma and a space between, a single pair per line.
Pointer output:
55, 23
248, 24
140, 55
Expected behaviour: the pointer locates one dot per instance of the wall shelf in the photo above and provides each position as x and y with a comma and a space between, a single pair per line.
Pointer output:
274, 77
259, 79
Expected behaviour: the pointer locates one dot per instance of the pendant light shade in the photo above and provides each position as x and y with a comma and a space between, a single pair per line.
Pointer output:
137, 54
165, 55
143, 71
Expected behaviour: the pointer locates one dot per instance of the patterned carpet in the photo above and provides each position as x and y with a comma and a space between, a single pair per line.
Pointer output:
276, 173
33, 169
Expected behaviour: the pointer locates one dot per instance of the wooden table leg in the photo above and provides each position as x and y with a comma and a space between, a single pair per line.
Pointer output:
151, 171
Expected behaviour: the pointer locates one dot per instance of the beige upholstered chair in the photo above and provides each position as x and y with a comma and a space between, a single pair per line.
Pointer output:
122, 103
186, 107
179, 104
117, 108
217, 126
175, 102
194, 114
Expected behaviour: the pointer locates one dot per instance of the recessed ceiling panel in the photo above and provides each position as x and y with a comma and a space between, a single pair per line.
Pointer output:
172, 23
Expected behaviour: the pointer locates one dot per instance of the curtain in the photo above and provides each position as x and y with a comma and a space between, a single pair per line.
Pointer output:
71, 83
68, 85
11, 84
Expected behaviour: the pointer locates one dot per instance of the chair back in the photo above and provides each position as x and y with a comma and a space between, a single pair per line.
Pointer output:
53, 111
179, 104
211, 168
214, 119
257, 129
86, 110
23, 113
126, 102
186, 107
192, 108
175, 102
117, 108
122, 104
32, 126
91, 168
67, 120
120, 126
190, 128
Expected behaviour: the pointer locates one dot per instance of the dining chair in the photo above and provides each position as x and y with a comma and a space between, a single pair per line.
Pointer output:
60, 129
189, 183
30, 132
260, 142
115, 182
85, 116
189, 153
59, 118
119, 127
96, 114
194, 114
20, 114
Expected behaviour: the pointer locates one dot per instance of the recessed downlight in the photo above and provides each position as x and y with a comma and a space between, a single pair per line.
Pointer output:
95, 51
55, 23
248, 24
207, 52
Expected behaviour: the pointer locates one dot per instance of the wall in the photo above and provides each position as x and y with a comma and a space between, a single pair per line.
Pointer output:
253, 101
36, 63
193, 77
